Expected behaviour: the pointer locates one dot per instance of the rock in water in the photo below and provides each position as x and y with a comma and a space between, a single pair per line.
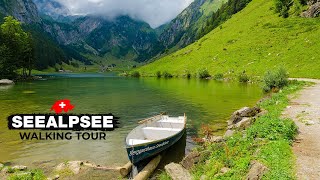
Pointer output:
6, 82
177, 172
256, 171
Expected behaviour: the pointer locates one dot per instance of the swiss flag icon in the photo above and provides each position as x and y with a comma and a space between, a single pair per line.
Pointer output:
62, 105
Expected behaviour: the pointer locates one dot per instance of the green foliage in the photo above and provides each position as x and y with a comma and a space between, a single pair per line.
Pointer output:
203, 73
275, 79
218, 77
30, 175
278, 156
282, 7
16, 48
222, 14
10, 170
163, 176
135, 74
267, 140
187, 74
75, 64
167, 75
243, 78
158, 74
273, 129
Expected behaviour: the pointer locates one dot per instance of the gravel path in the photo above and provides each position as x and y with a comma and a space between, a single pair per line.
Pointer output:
304, 109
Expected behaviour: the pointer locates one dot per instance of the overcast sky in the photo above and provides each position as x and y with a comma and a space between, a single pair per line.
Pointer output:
154, 12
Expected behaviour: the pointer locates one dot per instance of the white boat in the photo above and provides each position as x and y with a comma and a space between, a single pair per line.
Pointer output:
154, 135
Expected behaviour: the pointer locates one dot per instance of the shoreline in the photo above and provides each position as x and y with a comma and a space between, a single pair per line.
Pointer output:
213, 158
237, 137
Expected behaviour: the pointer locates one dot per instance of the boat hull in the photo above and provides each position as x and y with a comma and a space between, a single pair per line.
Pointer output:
140, 152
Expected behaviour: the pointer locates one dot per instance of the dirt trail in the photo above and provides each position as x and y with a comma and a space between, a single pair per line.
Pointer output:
305, 111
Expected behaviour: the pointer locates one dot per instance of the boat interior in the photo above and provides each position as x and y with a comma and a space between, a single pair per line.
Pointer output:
160, 127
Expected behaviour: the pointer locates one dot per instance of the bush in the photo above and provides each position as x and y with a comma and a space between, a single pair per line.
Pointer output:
243, 78
135, 74
218, 77
158, 74
167, 75
275, 80
282, 7
204, 73
187, 74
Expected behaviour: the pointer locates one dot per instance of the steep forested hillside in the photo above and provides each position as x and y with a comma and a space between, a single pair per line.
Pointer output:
47, 51
254, 40
187, 26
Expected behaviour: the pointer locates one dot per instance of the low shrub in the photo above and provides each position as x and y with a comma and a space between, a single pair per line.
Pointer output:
218, 77
158, 74
187, 74
135, 74
167, 74
243, 78
203, 73
275, 80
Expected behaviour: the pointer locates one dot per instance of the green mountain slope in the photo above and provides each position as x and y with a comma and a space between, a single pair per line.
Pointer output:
254, 40
184, 29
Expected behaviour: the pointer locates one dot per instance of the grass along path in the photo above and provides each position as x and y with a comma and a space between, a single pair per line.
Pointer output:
268, 140
305, 111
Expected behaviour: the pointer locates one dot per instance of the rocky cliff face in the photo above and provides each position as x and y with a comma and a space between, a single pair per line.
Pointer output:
121, 38
24, 10
184, 29
175, 32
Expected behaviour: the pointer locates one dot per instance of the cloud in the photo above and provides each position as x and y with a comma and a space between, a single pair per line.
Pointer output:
154, 12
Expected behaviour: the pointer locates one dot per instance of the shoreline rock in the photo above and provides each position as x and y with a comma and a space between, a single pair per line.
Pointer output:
256, 170
6, 82
243, 118
177, 172
73, 166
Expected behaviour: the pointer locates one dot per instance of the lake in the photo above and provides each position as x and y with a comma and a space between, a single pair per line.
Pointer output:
131, 99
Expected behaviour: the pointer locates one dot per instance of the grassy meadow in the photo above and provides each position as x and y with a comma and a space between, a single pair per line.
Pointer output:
254, 40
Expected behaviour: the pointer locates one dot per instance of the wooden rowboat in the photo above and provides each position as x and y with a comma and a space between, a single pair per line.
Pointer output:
154, 135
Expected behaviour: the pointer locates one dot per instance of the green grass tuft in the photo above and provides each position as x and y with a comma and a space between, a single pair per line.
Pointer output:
29, 175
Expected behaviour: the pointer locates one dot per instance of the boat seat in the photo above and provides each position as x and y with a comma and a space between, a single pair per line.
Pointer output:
161, 129
171, 121
138, 141
158, 132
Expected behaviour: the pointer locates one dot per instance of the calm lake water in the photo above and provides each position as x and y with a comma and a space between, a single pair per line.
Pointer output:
131, 99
